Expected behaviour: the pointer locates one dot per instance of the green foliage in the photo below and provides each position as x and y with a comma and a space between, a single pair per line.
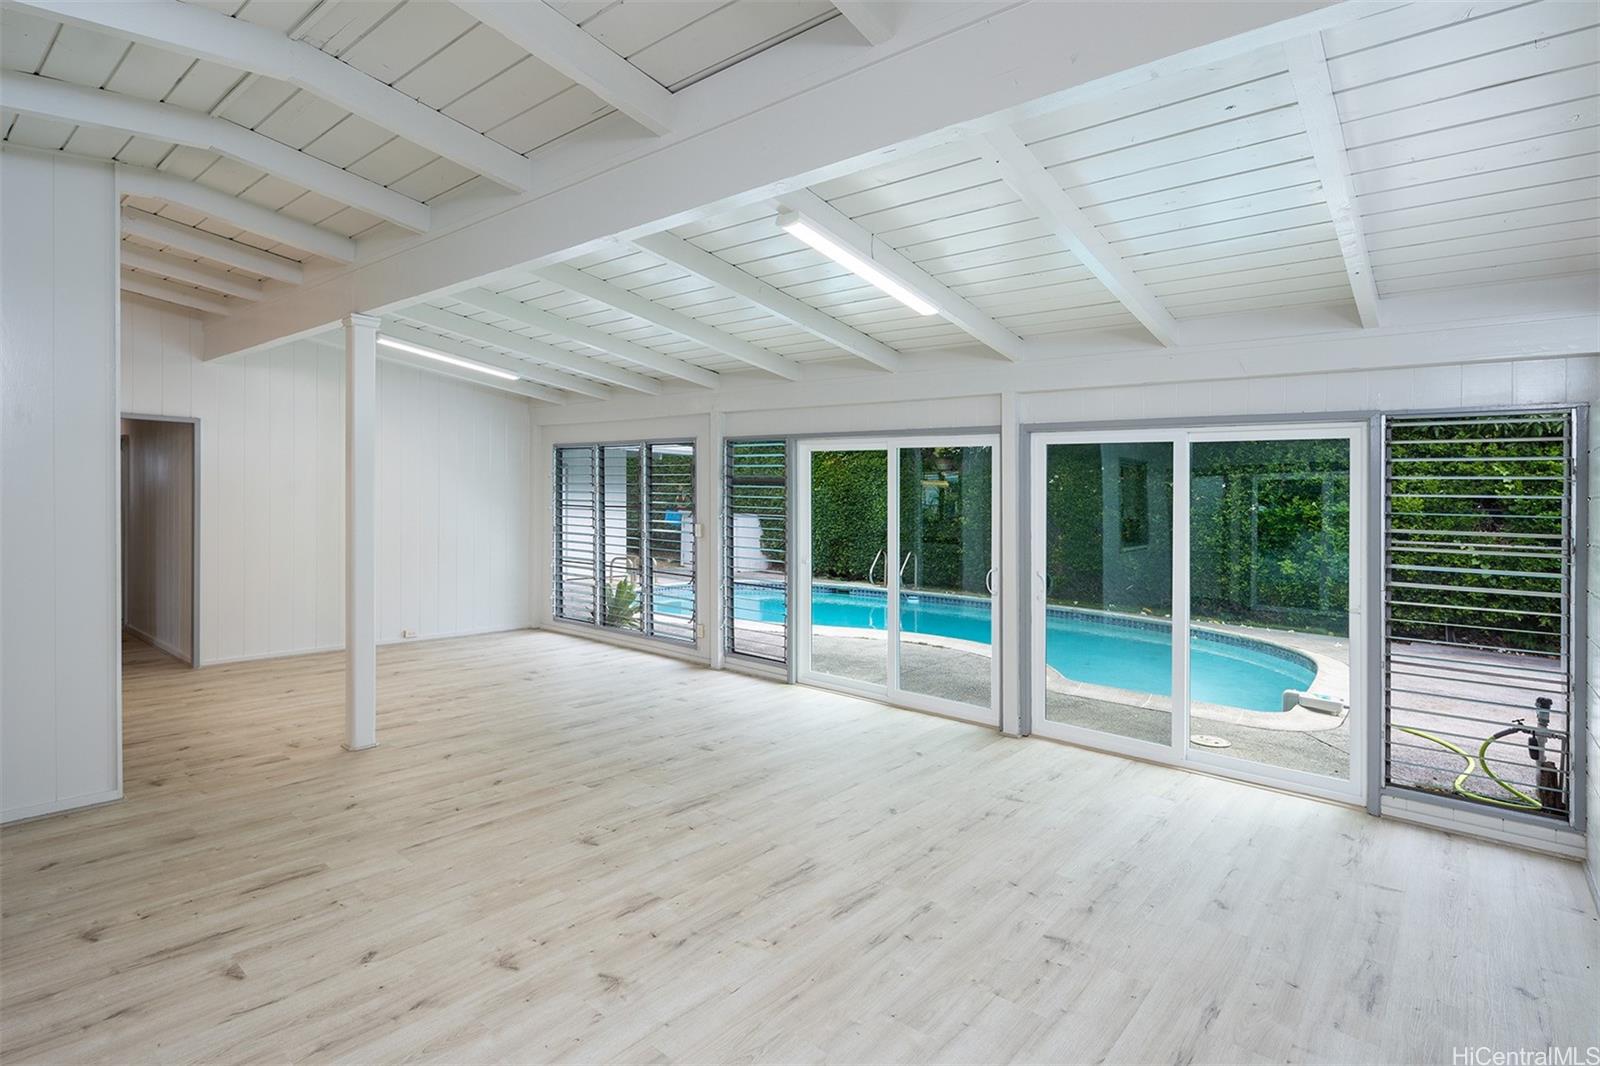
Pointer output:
622, 605
945, 518
1269, 527
1269, 530
1270, 533
1486, 501
849, 513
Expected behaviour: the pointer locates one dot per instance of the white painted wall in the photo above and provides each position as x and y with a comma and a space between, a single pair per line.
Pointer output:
158, 538
1593, 705
59, 633
454, 500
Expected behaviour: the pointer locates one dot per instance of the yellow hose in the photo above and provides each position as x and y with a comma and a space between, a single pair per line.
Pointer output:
1523, 802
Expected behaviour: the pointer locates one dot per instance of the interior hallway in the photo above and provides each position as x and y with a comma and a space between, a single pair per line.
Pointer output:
562, 849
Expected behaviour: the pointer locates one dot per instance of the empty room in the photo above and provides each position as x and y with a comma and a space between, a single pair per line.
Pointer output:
780, 531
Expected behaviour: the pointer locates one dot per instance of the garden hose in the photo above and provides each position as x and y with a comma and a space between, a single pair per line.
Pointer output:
1523, 802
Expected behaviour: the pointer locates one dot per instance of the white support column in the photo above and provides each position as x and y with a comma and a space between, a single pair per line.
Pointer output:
1013, 599
360, 531
709, 550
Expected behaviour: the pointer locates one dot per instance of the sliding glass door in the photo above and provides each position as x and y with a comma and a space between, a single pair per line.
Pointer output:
896, 572
1197, 598
844, 615
1104, 641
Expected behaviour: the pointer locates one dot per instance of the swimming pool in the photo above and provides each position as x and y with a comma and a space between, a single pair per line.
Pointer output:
1117, 651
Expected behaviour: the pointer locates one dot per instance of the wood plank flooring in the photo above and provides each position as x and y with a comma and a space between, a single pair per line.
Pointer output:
565, 850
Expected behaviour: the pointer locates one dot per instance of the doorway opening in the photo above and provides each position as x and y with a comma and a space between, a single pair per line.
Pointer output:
159, 533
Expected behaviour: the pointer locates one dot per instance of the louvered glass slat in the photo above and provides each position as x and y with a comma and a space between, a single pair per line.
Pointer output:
756, 514
1478, 578
577, 537
624, 538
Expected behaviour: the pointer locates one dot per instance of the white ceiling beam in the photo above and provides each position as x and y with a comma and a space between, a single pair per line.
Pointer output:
1308, 69
1043, 195
621, 299
189, 273
157, 289
155, 185
718, 271
791, 115
556, 41
542, 375
201, 33
957, 310
191, 241
98, 109
429, 315
530, 315
869, 17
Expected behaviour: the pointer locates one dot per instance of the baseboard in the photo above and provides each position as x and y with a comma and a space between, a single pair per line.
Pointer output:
157, 643
255, 657
1545, 839
687, 652
60, 806
321, 649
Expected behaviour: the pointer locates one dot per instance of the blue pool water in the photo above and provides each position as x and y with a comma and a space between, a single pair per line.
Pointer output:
1080, 645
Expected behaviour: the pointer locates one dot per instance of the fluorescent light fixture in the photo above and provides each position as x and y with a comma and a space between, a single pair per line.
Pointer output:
863, 268
429, 353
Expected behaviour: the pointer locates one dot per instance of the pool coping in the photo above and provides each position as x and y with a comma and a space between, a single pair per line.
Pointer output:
1330, 673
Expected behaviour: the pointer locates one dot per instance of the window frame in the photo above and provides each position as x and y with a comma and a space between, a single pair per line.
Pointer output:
646, 628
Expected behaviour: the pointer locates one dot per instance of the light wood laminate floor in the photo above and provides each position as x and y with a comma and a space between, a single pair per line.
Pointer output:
566, 850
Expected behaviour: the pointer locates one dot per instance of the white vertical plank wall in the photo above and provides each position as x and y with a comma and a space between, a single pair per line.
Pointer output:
59, 634
453, 496
1592, 860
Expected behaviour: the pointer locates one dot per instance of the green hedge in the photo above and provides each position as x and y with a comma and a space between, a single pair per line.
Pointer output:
945, 516
1269, 526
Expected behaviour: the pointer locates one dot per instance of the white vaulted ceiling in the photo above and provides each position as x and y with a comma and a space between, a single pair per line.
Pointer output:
1397, 151
432, 52
1470, 146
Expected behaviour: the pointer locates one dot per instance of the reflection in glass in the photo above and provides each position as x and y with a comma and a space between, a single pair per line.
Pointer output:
1108, 587
946, 610
621, 487
849, 542
1269, 554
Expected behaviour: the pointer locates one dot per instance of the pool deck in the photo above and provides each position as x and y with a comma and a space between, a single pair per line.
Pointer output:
1299, 739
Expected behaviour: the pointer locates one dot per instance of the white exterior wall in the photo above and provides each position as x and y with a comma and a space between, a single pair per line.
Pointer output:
59, 635
453, 491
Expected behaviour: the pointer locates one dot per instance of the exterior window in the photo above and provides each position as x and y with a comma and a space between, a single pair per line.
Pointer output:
1480, 667
756, 575
624, 538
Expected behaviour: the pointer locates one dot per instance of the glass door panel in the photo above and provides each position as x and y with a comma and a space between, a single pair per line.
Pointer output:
1270, 602
945, 573
848, 506
1106, 619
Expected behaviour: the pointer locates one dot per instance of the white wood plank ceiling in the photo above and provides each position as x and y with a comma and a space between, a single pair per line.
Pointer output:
426, 51
1432, 146
1424, 147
